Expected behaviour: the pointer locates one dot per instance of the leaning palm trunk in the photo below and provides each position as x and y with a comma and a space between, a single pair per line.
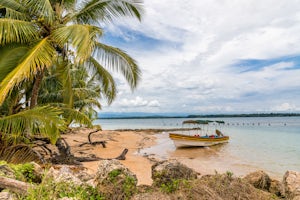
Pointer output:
35, 89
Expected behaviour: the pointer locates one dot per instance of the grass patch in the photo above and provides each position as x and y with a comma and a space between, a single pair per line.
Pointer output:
49, 190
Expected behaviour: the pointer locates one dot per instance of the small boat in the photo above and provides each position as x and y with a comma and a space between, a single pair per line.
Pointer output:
183, 140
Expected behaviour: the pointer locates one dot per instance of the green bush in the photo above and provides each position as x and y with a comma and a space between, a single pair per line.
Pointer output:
24, 172
50, 190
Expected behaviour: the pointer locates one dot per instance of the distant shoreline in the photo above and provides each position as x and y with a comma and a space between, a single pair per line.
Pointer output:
207, 116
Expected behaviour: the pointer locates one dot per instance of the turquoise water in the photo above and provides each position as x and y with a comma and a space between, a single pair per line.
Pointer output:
271, 144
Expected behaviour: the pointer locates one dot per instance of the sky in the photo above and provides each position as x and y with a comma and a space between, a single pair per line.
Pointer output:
211, 57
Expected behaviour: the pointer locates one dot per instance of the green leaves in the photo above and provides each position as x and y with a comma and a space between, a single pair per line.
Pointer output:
81, 37
17, 31
50, 54
118, 60
42, 9
39, 56
45, 121
107, 10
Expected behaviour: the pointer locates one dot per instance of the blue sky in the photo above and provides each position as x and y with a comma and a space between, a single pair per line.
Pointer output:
211, 56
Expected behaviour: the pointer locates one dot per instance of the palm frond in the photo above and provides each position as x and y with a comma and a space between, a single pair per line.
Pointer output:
13, 14
104, 10
45, 121
13, 5
85, 92
42, 9
87, 103
75, 116
40, 56
106, 80
12, 30
19, 153
64, 77
66, 4
118, 60
81, 37
9, 62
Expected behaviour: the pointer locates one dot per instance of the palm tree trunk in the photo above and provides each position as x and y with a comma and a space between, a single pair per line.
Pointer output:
35, 89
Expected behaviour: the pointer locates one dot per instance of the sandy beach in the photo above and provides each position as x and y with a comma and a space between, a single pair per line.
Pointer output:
116, 142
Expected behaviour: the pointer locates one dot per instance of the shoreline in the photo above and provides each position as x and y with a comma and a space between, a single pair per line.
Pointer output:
143, 146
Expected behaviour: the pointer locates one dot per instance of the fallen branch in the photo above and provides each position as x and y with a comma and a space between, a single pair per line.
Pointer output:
122, 156
103, 143
14, 185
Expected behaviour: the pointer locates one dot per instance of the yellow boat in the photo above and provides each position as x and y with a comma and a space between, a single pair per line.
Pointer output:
182, 140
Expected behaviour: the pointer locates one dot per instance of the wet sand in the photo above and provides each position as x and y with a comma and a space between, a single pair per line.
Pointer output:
116, 142
145, 144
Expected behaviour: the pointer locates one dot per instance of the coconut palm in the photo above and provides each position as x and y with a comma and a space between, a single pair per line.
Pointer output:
56, 35
51, 29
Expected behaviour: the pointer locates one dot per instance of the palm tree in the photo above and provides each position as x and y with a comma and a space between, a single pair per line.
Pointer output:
57, 36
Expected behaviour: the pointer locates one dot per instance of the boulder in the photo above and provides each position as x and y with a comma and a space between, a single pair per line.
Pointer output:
114, 180
38, 172
165, 172
276, 187
291, 185
6, 171
259, 180
7, 196
64, 174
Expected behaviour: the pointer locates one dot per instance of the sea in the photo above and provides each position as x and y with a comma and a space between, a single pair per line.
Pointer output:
271, 144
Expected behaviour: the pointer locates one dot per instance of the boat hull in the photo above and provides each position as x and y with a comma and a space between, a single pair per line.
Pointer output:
181, 140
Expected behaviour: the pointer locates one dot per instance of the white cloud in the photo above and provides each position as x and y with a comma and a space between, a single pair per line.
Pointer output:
285, 107
138, 102
201, 40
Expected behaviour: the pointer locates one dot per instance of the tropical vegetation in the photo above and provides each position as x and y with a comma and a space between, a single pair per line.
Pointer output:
54, 67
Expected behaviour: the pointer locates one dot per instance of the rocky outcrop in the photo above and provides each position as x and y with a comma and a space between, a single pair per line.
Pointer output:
64, 174
291, 185
7, 196
167, 171
114, 180
259, 180
276, 188
6, 171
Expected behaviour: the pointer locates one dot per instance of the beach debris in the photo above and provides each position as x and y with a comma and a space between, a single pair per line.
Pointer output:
165, 172
291, 185
14, 185
259, 180
115, 180
19, 153
103, 143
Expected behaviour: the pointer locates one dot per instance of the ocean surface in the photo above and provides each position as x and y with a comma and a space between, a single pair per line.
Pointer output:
271, 144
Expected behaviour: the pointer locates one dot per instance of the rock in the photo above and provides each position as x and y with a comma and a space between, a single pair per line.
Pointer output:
114, 180
38, 172
64, 174
7, 196
259, 180
6, 171
167, 171
291, 185
276, 188
68, 198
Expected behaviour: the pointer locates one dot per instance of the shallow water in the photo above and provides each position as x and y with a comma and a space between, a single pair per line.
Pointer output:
271, 144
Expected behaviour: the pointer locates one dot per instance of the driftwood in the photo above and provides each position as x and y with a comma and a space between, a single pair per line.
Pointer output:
122, 156
103, 143
66, 157
14, 185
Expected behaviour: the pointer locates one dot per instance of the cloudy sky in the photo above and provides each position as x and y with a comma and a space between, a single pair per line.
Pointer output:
212, 56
